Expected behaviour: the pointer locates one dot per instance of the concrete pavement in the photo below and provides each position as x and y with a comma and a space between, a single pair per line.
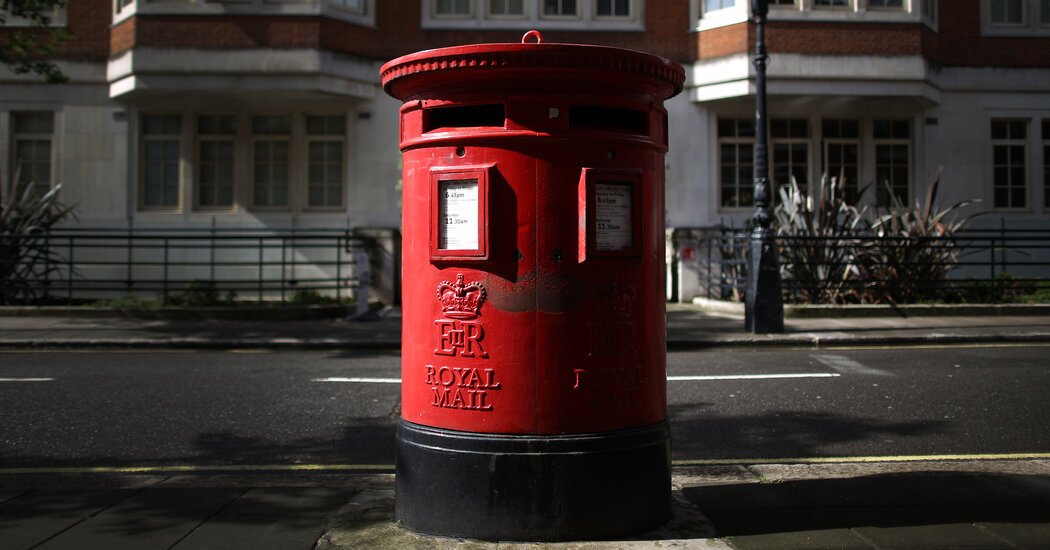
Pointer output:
687, 326
946, 504
964, 503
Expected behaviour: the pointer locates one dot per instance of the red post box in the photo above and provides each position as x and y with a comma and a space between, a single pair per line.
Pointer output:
533, 362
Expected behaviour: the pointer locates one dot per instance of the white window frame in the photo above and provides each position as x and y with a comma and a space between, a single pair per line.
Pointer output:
36, 137
586, 18
471, 11
272, 138
735, 141
335, 9
902, 7
807, 10
852, 186
342, 140
806, 140
631, 6
1012, 142
506, 16
145, 139
908, 142
202, 138
56, 18
1045, 123
560, 16
1031, 21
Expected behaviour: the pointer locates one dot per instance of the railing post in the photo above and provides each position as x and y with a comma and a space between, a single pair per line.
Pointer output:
69, 271
47, 264
261, 252
128, 282
164, 296
284, 247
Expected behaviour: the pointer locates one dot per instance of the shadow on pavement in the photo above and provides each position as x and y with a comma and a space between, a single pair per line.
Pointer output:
917, 509
778, 433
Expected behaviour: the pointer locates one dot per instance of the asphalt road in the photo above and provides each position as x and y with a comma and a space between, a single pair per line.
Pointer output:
118, 409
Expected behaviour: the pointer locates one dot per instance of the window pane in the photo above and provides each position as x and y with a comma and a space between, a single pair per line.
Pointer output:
1007, 11
34, 123
162, 125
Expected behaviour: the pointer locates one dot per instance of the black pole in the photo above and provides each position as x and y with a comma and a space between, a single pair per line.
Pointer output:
764, 306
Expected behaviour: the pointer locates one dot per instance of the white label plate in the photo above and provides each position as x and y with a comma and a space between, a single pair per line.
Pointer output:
612, 216
458, 214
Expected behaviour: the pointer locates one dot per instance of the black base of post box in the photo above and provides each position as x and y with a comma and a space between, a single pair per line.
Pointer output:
531, 487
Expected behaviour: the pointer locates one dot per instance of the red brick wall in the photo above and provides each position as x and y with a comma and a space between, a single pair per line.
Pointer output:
87, 24
723, 41
959, 42
398, 32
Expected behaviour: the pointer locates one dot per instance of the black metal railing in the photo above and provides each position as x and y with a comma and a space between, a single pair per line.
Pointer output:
972, 265
261, 264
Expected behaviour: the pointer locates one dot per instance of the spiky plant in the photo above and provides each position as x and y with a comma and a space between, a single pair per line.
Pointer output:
913, 249
26, 260
818, 239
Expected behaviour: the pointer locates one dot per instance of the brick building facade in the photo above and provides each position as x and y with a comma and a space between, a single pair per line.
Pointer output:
184, 113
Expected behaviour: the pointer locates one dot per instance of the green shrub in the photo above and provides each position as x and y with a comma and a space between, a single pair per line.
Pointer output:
197, 294
818, 242
26, 260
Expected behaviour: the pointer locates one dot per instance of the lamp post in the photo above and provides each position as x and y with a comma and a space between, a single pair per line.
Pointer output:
764, 306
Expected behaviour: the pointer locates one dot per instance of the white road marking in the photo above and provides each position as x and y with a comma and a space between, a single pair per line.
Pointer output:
361, 380
27, 379
754, 376
701, 378
845, 365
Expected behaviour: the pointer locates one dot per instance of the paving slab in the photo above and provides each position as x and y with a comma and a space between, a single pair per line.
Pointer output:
915, 527
779, 529
152, 518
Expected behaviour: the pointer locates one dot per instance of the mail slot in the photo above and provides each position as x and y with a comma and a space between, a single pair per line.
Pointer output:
533, 356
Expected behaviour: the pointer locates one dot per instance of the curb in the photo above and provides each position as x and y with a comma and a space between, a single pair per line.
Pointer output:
814, 341
875, 310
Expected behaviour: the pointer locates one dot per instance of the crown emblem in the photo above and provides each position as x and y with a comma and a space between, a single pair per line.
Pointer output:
460, 300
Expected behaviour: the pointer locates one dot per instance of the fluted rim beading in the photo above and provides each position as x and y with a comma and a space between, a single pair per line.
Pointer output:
534, 56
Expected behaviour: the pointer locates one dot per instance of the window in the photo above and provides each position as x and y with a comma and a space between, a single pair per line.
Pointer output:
1009, 163
33, 133
356, 6
1044, 12
559, 8
325, 143
613, 8
1007, 12
270, 161
547, 15
892, 161
215, 144
929, 9
891, 4
842, 156
736, 157
790, 151
782, 2
1046, 163
831, 3
715, 5
161, 137
452, 8
507, 8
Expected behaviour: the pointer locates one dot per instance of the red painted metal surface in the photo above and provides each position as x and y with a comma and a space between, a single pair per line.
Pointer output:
533, 236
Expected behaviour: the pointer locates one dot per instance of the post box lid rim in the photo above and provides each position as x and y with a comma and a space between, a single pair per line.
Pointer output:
533, 55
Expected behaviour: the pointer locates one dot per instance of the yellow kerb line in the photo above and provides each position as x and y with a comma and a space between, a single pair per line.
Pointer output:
862, 459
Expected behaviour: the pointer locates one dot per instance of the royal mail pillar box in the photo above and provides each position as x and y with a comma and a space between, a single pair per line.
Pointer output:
533, 356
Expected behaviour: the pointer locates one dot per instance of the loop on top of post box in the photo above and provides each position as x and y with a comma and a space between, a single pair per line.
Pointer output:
532, 34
